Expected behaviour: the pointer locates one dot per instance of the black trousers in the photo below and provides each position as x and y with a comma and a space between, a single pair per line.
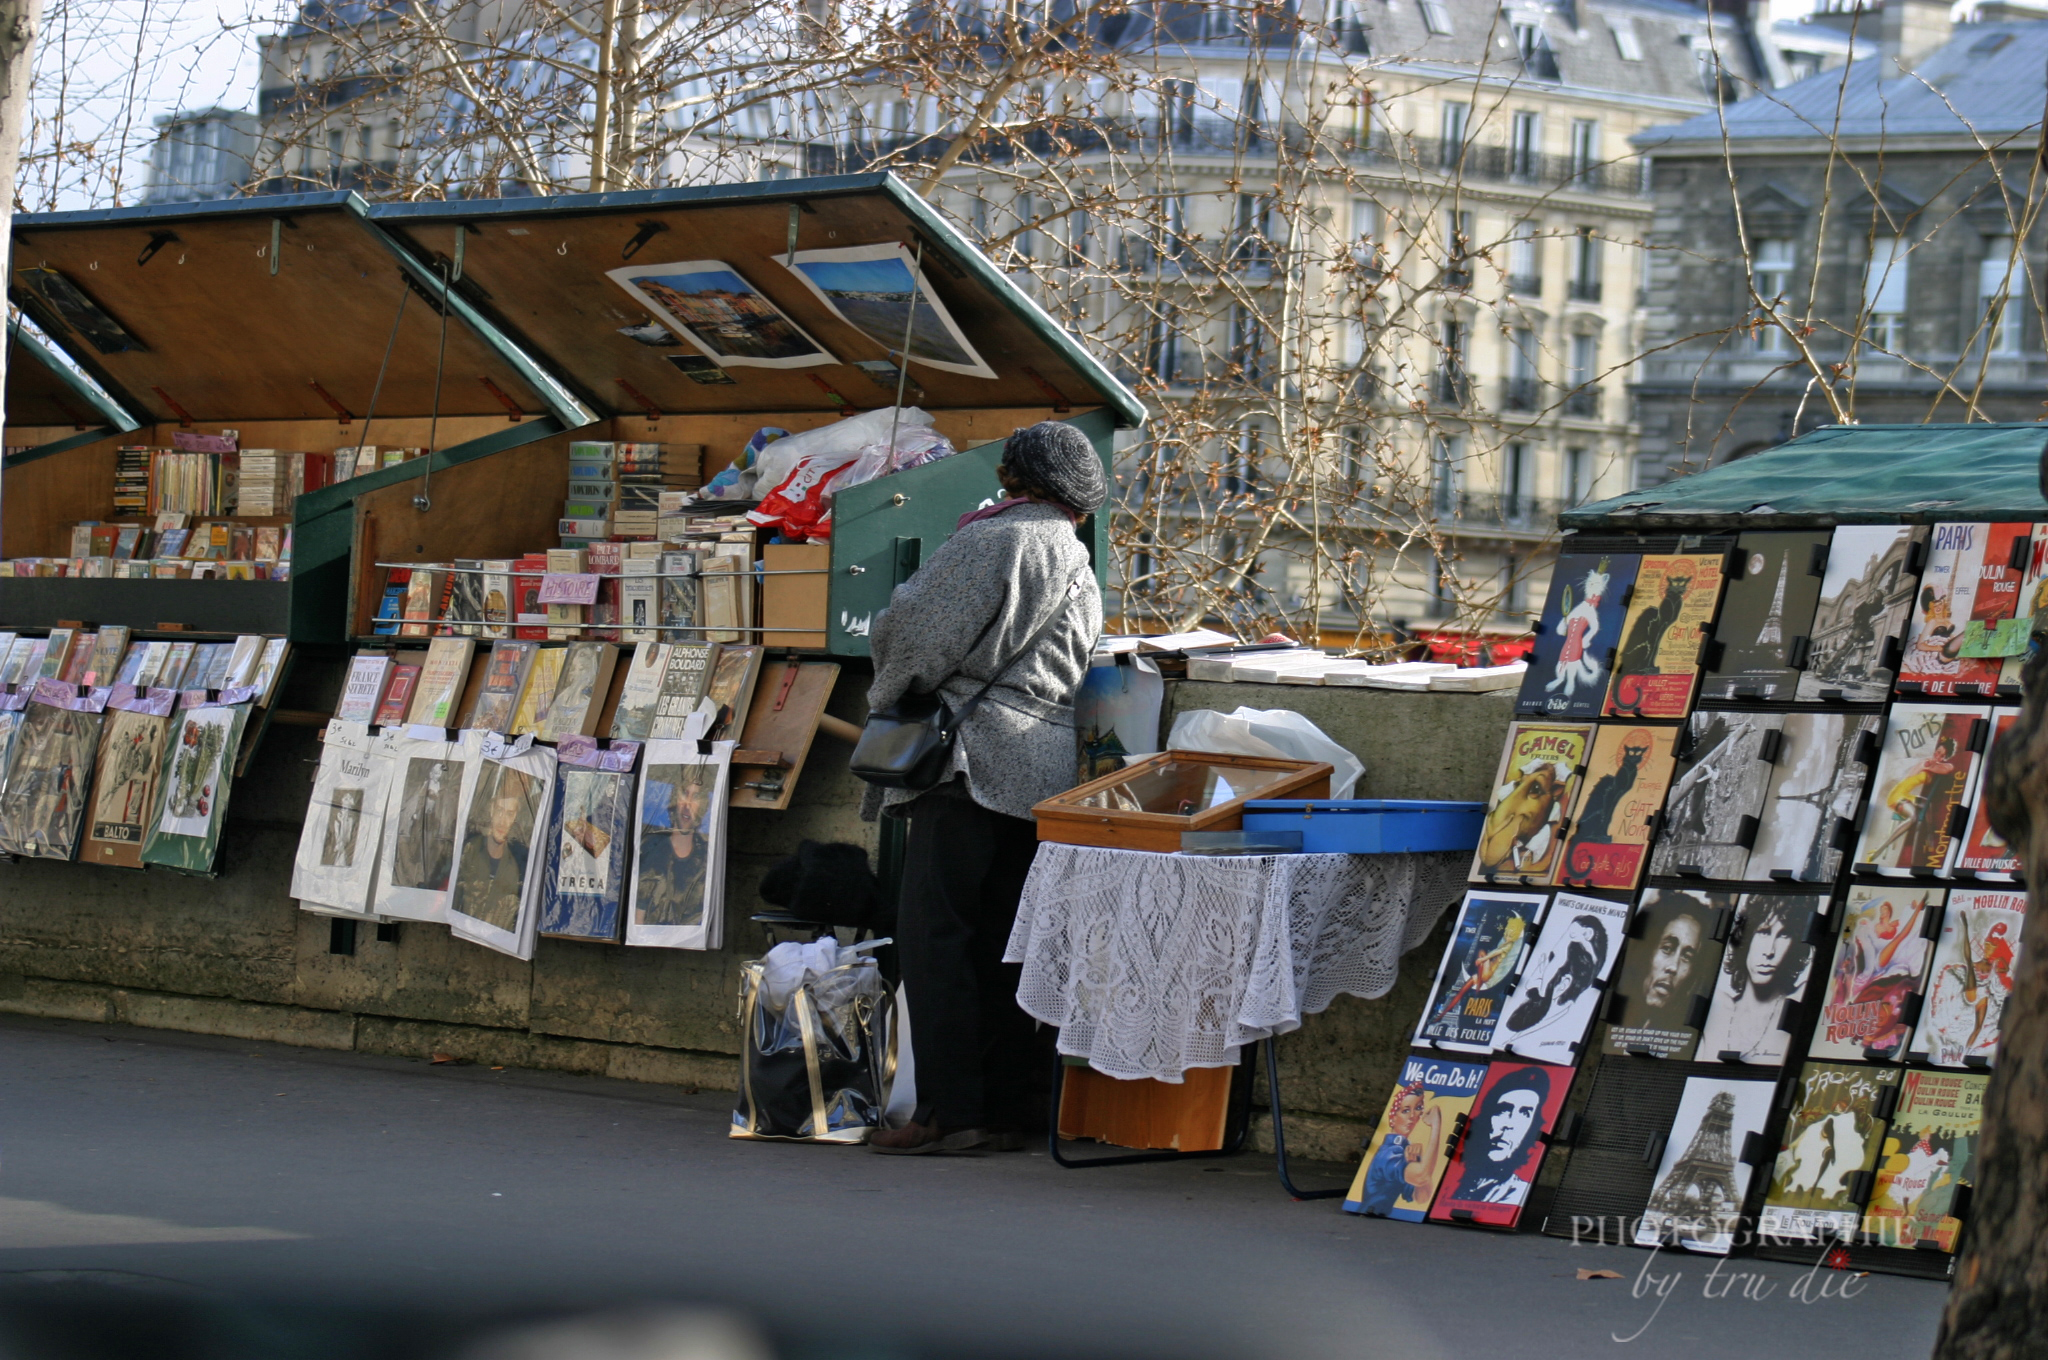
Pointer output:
963, 872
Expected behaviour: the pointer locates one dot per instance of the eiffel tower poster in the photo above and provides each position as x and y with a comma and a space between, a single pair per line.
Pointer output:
1702, 1181
1758, 651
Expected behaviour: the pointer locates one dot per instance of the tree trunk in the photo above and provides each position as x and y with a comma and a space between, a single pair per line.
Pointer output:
2000, 1296
19, 20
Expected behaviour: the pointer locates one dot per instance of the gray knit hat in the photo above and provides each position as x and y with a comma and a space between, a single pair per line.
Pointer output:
1058, 460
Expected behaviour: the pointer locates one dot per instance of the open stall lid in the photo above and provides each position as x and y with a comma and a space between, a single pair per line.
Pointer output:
44, 390
1847, 474
585, 280
269, 308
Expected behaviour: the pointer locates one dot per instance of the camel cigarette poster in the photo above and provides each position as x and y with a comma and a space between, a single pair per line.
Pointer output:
1478, 967
1667, 973
1880, 961
1719, 788
1930, 1152
1866, 600
1406, 1158
1831, 1144
1924, 773
1983, 851
1497, 1159
1626, 778
1943, 608
1658, 663
1764, 633
1572, 659
1971, 977
1764, 972
1525, 814
1554, 1000
1815, 786
724, 316
1702, 1180
880, 291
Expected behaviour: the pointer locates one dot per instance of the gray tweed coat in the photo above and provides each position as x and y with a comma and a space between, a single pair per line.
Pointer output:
1017, 748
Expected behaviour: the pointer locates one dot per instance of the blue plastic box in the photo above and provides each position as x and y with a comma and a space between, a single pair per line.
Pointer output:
1369, 826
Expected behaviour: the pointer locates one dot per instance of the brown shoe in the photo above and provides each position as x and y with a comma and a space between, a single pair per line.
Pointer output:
916, 1140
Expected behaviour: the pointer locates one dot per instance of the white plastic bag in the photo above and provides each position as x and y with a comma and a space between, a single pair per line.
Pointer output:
1276, 732
845, 437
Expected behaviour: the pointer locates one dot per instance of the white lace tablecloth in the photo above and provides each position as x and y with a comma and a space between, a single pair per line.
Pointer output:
1150, 964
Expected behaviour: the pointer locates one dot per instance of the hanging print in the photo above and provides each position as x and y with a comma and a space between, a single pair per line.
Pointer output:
872, 289
707, 302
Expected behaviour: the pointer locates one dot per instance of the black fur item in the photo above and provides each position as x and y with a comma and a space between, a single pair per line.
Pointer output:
831, 885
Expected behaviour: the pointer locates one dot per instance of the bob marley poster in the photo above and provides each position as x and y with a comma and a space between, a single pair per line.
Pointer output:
1496, 1163
1478, 969
1570, 663
1532, 794
1406, 1159
1659, 659
1626, 777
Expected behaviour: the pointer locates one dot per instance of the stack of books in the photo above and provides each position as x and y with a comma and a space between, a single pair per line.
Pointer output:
131, 479
587, 513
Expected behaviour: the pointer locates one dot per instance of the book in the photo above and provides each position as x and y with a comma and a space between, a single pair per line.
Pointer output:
683, 685
1765, 969
1929, 1155
730, 690
566, 620
1816, 781
1970, 978
1717, 794
105, 659
177, 664
1577, 637
443, 677
639, 611
57, 653
15, 659
132, 662
680, 609
1553, 1000
1478, 968
1627, 774
633, 720
219, 656
498, 594
541, 678
1982, 851
727, 591
1702, 1178
1924, 774
504, 681
336, 862
1489, 1178
1657, 665
527, 610
1405, 1161
1523, 834
131, 754
423, 586
465, 612
243, 655
77, 657
606, 561
1946, 602
1667, 973
396, 701
580, 692
268, 667
43, 802
1880, 963
1763, 635
362, 686
1827, 1161
582, 887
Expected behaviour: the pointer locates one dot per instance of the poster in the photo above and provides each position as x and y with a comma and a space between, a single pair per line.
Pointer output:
1924, 772
583, 884
1406, 1159
42, 805
1658, 662
1117, 714
1479, 964
678, 889
1489, 1179
1572, 658
1622, 790
1831, 1143
504, 813
1983, 851
1667, 973
1764, 973
336, 864
1929, 1154
1532, 792
1880, 960
1810, 807
1719, 788
193, 790
1559, 990
871, 289
724, 316
1942, 610
130, 760
429, 784
1971, 977
1702, 1179
1866, 600
1763, 634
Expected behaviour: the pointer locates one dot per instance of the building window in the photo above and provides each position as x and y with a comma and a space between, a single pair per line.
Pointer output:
1515, 472
1585, 148
1436, 16
1586, 264
1524, 275
1348, 28
1456, 119
1220, 21
1584, 368
1254, 231
1441, 588
1365, 234
1453, 387
1351, 452
1457, 249
1447, 454
1771, 274
1525, 140
1247, 344
1625, 41
1245, 454
1511, 584
1995, 276
1522, 394
1578, 476
1884, 293
1163, 353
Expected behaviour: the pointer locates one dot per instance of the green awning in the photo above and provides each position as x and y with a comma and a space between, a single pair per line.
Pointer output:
1847, 474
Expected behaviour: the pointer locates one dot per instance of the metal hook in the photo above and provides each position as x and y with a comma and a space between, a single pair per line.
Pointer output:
157, 241
562, 249
648, 231
276, 244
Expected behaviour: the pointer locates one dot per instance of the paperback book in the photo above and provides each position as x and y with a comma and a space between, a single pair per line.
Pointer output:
130, 760
1572, 659
683, 686
1409, 1151
194, 788
730, 691
580, 691
633, 719
539, 694
1668, 969
42, 805
1477, 970
504, 680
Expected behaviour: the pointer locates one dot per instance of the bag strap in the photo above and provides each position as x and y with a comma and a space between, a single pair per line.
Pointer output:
1052, 616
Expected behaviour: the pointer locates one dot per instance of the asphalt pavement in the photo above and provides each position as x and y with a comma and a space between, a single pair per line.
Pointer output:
247, 1199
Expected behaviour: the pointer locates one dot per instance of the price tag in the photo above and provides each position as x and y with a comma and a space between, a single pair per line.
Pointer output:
568, 588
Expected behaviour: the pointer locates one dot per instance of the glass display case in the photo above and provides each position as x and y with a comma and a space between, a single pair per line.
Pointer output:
1147, 805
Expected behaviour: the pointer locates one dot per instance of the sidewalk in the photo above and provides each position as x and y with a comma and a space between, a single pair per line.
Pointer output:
371, 1189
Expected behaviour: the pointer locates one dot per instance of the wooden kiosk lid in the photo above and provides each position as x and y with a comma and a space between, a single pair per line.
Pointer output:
539, 268
43, 390
268, 308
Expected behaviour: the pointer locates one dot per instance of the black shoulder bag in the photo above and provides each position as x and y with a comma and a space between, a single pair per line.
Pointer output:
909, 744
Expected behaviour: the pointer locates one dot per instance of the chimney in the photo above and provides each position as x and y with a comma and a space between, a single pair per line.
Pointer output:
1908, 31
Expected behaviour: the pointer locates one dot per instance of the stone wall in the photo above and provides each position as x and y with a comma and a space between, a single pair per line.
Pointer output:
234, 956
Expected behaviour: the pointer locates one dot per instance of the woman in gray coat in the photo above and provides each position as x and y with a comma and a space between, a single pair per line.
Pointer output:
1008, 569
